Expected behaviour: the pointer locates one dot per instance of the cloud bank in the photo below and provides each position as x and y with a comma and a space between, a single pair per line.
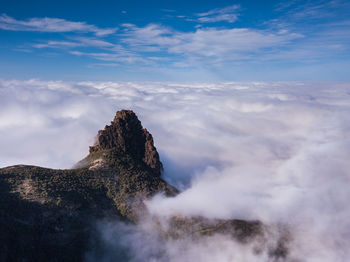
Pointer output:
277, 152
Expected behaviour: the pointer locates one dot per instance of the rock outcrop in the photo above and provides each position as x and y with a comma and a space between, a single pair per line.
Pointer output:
127, 135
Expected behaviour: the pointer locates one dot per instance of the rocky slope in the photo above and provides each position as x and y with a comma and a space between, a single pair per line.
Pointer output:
50, 215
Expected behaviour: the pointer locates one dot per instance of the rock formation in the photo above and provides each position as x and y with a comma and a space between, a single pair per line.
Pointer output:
126, 135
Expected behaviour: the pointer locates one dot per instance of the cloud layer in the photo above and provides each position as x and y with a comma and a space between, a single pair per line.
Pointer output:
277, 152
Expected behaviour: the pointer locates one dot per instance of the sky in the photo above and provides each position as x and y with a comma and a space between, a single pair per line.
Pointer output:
248, 103
175, 40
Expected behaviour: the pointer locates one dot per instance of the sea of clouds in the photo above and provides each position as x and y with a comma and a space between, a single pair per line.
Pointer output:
278, 152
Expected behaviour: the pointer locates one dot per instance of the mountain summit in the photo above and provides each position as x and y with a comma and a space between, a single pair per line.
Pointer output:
127, 135
51, 215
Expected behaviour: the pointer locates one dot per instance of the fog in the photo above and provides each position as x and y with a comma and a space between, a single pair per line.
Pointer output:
277, 152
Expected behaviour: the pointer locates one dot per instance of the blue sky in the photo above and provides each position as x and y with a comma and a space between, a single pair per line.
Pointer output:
175, 40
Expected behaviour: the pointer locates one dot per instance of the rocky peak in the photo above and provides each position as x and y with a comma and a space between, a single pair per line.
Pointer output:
126, 135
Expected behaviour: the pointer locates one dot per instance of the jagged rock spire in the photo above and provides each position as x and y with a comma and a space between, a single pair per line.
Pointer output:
127, 135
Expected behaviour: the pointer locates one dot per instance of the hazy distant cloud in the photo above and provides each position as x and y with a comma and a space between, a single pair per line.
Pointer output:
51, 25
228, 14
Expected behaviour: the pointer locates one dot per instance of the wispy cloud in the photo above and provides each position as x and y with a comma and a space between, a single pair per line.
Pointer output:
51, 25
228, 14
283, 5
209, 43
78, 42
57, 44
90, 41
289, 36
320, 10
113, 57
325, 25
103, 65
316, 9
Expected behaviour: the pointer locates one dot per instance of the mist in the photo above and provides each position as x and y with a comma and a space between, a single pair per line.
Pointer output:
276, 152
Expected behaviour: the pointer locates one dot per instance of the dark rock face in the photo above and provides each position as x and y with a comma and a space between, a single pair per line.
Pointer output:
48, 215
126, 135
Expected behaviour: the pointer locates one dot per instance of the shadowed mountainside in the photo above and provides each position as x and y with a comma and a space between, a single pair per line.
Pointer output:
50, 215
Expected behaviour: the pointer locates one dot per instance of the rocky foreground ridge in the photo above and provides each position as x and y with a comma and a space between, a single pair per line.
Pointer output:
50, 215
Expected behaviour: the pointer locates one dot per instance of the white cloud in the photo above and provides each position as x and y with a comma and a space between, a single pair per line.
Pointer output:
51, 25
229, 14
277, 152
